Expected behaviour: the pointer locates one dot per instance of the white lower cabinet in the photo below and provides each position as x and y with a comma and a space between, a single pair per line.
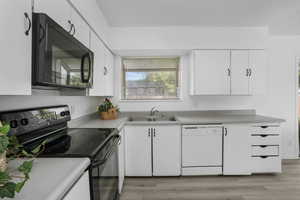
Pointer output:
81, 189
266, 145
138, 151
152, 150
166, 151
121, 160
237, 149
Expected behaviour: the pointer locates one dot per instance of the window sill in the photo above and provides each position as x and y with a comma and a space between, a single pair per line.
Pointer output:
149, 100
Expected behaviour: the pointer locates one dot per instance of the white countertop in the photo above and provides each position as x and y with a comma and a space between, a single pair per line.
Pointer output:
51, 178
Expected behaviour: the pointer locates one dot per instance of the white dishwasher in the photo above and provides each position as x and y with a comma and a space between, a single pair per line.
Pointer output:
202, 150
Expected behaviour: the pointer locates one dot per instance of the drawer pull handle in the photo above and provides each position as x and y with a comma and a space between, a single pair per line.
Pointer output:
263, 146
264, 127
263, 135
264, 157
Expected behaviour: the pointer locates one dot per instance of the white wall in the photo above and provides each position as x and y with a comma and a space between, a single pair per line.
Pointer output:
187, 38
80, 105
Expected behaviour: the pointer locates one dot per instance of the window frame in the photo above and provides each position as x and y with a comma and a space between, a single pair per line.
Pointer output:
178, 82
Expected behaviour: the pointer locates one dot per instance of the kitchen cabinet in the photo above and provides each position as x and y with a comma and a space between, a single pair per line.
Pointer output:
65, 15
99, 81
211, 71
152, 150
138, 151
58, 10
237, 149
15, 40
266, 148
228, 72
258, 72
166, 150
239, 72
108, 73
121, 160
80, 190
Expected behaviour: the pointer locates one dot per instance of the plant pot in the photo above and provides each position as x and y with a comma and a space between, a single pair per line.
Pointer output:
3, 162
110, 114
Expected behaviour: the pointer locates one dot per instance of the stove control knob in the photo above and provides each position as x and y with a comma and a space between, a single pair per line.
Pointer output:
67, 113
63, 113
14, 124
24, 121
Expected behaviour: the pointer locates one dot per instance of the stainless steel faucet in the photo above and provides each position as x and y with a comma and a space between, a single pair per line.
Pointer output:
153, 111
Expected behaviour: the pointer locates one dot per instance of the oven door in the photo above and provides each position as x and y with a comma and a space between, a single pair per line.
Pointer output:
59, 59
104, 172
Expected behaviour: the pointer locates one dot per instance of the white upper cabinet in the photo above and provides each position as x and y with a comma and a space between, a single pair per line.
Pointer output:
99, 83
239, 72
66, 16
109, 73
15, 40
237, 150
59, 10
81, 30
211, 72
228, 72
258, 72
166, 150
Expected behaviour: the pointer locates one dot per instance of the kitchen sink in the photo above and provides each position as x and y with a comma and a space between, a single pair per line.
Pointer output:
152, 119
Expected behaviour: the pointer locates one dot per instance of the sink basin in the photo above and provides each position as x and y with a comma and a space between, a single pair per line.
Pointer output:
151, 119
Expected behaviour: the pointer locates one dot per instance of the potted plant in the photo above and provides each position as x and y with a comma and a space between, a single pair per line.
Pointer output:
12, 182
107, 110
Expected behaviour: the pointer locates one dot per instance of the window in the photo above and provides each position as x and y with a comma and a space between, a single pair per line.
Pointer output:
150, 78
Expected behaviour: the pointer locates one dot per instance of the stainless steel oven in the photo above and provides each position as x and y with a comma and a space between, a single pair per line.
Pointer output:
104, 173
58, 58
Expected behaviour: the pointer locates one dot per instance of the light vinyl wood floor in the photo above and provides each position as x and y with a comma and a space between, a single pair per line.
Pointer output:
285, 186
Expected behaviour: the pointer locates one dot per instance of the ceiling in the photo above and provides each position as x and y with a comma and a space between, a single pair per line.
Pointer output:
280, 15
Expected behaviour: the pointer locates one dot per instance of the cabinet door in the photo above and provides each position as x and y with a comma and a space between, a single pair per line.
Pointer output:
81, 30
81, 189
166, 151
121, 159
237, 150
211, 76
109, 73
15, 48
259, 72
138, 151
98, 72
58, 10
239, 76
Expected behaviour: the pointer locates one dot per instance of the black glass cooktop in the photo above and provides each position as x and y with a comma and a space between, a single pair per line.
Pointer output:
79, 142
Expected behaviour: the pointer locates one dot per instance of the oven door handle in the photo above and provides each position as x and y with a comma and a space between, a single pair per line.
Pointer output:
97, 163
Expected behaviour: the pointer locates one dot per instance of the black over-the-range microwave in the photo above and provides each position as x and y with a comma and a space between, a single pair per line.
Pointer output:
58, 58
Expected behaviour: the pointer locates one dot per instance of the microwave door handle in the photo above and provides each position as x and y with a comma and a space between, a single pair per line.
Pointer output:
83, 60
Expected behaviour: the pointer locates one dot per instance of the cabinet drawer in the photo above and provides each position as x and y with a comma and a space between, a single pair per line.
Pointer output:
265, 130
204, 171
266, 164
265, 140
264, 150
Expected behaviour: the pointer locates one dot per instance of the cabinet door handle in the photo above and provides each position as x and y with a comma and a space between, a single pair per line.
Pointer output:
250, 72
228, 72
105, 71
29, 23
149, 134
263, 135
264, 127
226, 132
263, 146
247, 72
191, 127
154, 132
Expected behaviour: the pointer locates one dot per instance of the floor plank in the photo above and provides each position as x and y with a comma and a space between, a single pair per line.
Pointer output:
285, 186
